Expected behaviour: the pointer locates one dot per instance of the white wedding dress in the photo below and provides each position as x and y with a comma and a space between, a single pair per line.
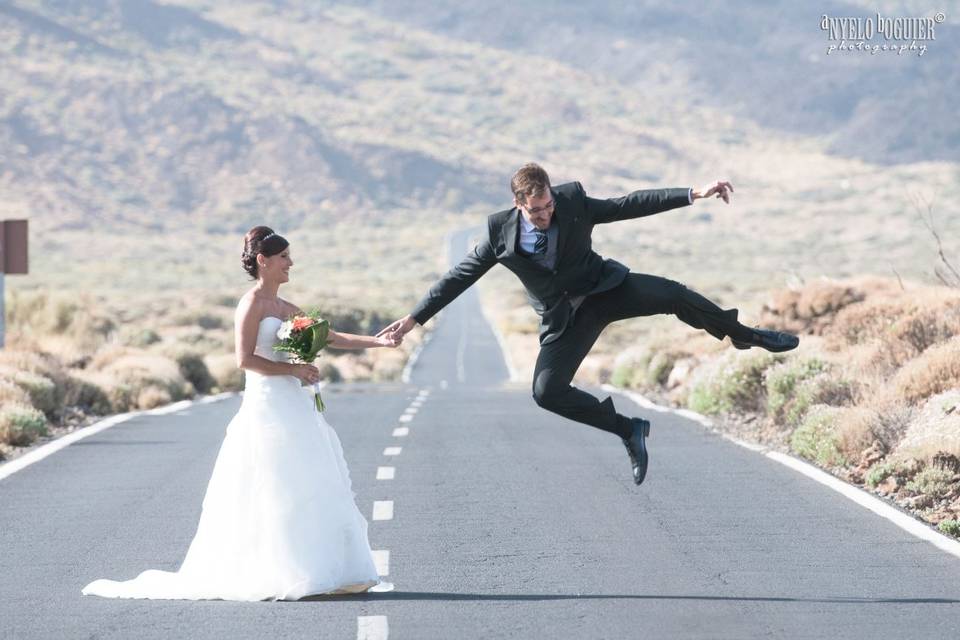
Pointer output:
279, 520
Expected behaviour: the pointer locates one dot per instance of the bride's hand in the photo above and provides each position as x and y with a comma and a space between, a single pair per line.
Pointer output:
307, 373
391, 340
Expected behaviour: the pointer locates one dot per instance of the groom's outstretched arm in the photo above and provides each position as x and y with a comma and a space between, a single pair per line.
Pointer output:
647, 202
476, 263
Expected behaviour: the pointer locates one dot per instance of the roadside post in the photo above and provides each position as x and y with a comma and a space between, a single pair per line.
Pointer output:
13, 260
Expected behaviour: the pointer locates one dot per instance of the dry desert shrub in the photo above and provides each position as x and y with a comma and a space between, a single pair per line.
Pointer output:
125, 373
193, 369
354, 367
915, 332
810, 309
21, 424
734, 382
387, 365
11, 393
865, 322
43, 392
818, 436
31, 361
37, 315
856, 430
85, 395
935, 370
892, 419
223, 368
935, 428
151, 397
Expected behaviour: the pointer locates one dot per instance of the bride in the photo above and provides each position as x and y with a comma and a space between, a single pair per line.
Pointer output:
278, 521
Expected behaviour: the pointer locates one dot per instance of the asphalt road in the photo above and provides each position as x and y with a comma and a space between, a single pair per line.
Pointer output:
508, 522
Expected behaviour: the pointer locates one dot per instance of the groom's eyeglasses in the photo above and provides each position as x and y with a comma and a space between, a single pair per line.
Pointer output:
546, 207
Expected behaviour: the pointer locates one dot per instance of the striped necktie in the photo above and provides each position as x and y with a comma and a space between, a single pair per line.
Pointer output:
540, 246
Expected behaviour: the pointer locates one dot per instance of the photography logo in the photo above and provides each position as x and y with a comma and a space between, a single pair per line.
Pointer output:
877, 34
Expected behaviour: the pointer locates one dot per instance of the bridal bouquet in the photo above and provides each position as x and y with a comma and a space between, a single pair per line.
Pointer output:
303, 336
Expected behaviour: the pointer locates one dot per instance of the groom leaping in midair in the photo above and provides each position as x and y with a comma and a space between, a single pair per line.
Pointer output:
545, 240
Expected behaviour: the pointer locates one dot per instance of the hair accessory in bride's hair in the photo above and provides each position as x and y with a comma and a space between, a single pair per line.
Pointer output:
267, 237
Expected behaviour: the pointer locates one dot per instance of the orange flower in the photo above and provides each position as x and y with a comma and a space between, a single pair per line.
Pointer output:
302, 322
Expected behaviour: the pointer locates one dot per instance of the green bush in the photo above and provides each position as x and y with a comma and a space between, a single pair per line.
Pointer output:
732, 383
879, 472
932, 481
659, 368
622, 375
43, 392
20, 425
816, 438
782, 380
950, 527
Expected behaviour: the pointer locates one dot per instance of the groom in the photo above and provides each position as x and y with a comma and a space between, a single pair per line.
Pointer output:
545, 240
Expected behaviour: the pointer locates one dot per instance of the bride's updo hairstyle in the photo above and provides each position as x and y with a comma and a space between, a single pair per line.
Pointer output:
260, 240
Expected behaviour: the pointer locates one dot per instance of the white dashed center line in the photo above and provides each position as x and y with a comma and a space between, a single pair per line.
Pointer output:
372, 628
392, 451
406, 418
385, 473
401, 432
383, 510
381, 558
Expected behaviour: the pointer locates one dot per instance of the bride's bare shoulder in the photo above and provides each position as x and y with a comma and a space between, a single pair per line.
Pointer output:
249, 303
289, 307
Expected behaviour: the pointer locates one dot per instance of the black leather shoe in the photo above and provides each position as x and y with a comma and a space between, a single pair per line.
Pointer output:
769, 340
637, 448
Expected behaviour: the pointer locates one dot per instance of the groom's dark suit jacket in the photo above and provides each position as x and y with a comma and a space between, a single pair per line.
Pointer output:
578, 270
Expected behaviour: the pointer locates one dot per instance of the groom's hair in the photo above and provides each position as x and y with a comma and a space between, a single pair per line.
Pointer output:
529, 181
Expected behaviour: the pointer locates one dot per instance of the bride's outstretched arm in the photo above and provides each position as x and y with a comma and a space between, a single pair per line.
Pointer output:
351, 341
247, 325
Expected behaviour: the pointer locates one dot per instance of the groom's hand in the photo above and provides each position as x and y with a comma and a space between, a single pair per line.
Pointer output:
399, 328
720, 189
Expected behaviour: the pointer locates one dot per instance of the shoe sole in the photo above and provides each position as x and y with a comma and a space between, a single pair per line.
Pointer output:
646, 458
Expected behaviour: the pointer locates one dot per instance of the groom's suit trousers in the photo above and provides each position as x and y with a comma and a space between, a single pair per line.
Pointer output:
638, 295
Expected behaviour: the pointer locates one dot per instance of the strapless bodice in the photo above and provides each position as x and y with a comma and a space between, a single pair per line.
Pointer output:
267, 337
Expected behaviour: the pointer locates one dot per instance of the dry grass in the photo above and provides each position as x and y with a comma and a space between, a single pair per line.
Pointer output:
934, 371
223, 368
811, 309
12, 393
935, 429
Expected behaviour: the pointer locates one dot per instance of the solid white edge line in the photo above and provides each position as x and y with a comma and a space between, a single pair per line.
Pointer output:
9, 468
372, 628
386, 473
866, 500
